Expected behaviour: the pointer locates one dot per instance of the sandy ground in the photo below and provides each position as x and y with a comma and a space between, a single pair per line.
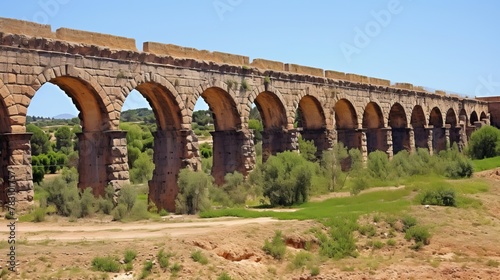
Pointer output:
465, 244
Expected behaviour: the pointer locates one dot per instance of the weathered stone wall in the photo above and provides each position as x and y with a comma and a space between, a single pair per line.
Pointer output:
98, 72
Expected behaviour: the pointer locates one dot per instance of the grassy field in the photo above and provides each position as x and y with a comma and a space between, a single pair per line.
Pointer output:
486, 164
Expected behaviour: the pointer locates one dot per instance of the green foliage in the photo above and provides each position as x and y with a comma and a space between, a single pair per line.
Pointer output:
224, 276
408, 222
331, 163
128, 196
377, 244
315, 271
378, 164
277, 247
456, 165
356, 160
38, 169
163, 258
139, 211
257, 127
236, 188
340, 242
203, 117
286, 179
486, 164
142, 170
129, 255
307, 149
175, 268
360, 183
484, 143
64, 139
367, 230
391, 242
301, 259
193, 192
146, 269
199, 257
244, 85
206, 150
441, 196
40, 143
88, 203
39, 215
419, 234
106, 264
120, 212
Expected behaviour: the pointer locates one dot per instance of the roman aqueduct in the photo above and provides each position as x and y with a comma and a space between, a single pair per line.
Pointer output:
99, 71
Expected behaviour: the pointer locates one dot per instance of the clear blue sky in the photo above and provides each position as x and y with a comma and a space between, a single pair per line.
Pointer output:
452, 45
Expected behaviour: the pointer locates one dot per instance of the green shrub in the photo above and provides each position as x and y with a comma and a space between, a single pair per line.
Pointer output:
175, 268
106, 264
377, 244
277, 247
367, 230
378, 164
129, 255
139, 211
146, 269
193, 192
301, 259
340, 242
128, 196
39, 215
314, 271
163, 258
88, 202
105, 205
224, 276
128, 267
418, 234
307, 149
484, 143
408, 222
163, 212
286, 179
441, 197
391, 242
199, 257
359, 183
120, 212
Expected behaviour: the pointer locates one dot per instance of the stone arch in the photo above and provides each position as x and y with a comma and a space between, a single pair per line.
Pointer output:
418, 124
452, 126
473, 118
163, 98
438, 132
97, 113
483, 116
215, 91
462, 117
399, 127
6, 98
173, 147
94, 104
346, 124
274, 96
373, 121
312, 122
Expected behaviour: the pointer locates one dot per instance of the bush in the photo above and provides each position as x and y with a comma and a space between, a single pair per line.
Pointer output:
301, 259
224, 276
408, 222
441, 197
106, 264
331, 162
129, 255
378, 164
120, 212
367, 230
307, 149
146, 269
163, 258
484, 143
391, 242
128, 196
419, 234
199, 257
89, 203
277, 247
286, 179
340, 242
39, 215
142, 170
193, 192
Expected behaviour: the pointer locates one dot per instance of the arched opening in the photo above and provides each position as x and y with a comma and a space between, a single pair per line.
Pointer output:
4, 128
312, 123
273, 115
452, 127
229, 141
346, 124
418, 123
438, 134
473, 118
399, 126
373, 121
156, 144
483, 117
77, 139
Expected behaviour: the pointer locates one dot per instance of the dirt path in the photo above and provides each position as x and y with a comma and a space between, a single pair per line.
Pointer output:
123, 231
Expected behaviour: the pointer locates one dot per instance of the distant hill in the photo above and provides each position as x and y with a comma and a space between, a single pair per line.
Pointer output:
64, 117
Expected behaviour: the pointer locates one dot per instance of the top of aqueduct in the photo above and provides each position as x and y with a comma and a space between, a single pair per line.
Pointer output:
41, 36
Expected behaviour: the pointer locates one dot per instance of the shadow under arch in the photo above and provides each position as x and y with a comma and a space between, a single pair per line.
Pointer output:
399, 127
438, 130
418, 123
312, 123
346, 124
373, 122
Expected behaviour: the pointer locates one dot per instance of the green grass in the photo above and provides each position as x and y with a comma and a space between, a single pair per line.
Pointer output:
486, 164
380, 201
